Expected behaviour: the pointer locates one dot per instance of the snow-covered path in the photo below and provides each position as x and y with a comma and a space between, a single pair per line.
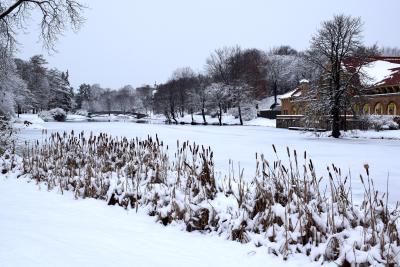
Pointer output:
40, 228
240, 143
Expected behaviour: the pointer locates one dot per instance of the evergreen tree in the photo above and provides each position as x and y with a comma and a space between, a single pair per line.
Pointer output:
60, 90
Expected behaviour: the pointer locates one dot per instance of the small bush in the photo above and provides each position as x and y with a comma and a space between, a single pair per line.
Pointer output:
381, 122
56, 114
396, 119
82, 112
249, 112
5, 134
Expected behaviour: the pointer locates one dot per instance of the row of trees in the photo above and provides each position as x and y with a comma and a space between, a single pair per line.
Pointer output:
233, 78
31, 86
94, 98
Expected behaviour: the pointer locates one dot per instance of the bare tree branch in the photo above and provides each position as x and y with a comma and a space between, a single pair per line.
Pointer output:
56, 15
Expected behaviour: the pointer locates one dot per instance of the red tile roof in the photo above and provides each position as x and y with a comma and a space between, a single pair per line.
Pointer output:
392, 80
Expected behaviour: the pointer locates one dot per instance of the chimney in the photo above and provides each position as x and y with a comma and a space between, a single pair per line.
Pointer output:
304, 85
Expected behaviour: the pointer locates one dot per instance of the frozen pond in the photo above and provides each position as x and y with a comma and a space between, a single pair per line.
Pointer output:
240, 143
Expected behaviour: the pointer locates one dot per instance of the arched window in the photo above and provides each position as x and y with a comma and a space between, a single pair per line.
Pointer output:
366, 109
392, 109
378, 110
357, 109
299, 111
294, 111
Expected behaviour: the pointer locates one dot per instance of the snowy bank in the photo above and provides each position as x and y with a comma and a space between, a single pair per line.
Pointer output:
283, 208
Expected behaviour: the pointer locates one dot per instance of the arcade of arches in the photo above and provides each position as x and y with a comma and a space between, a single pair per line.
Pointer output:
382, 105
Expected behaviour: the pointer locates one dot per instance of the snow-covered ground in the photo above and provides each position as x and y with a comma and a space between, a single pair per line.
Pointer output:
40, 228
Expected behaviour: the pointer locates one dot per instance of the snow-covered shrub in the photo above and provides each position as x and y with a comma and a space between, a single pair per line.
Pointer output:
45, 115
6, 103
249, 112
82, 112
283, 208
233, 112
213, 113
57, 114
5, 134
396, 119
382, 122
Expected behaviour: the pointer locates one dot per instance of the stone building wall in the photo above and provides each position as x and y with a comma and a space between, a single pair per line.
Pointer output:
380, 104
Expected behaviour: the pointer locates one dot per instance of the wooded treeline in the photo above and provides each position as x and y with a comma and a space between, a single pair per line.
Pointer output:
233, 79
29, 86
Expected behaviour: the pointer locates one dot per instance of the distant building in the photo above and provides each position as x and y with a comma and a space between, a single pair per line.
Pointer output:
380, 97
291, 102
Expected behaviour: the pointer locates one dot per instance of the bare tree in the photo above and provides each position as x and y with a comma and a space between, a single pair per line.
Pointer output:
145, 94
336, 44
217, 93
276, 70
284, 50
254, 70
227, 66
284, 69
125, 98
56, 15
166, 100
200, 96
184, 81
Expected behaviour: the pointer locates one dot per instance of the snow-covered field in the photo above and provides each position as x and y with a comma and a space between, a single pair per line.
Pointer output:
38, 228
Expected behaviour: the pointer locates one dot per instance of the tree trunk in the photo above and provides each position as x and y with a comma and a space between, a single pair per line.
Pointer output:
173, 115
336, 103
275, 94
174, 118
166, 113
220, 115
345, 116
335, 121
240, 115
203, 113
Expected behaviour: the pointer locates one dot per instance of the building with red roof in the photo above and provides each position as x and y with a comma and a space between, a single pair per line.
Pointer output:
380, 80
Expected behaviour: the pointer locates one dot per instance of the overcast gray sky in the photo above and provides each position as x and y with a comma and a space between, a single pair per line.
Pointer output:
143, 41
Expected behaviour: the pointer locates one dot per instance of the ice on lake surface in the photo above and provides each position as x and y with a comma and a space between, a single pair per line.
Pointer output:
40, 228
240, 143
